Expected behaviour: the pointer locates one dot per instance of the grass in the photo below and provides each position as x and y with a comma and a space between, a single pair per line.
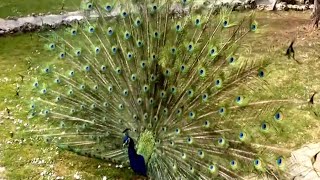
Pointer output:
286, 78
25, 7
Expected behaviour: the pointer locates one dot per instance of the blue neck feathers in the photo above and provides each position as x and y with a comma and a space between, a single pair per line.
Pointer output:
137, 162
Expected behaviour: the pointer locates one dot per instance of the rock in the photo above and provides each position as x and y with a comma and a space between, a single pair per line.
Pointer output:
12, 18
240, 8
282, 6
302, 8
301, 165
297, 7
316, 164
261, 7
290, 6
27, 27
306, 7
290, 1
252, 4
311, 6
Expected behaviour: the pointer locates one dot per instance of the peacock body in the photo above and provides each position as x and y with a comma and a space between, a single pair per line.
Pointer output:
177, 84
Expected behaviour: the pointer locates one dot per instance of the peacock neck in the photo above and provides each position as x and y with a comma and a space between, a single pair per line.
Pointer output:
131, 149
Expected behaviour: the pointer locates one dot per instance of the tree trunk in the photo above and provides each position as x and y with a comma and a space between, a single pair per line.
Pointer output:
316, 13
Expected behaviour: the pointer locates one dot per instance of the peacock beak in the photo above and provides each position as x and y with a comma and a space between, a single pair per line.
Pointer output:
126, 142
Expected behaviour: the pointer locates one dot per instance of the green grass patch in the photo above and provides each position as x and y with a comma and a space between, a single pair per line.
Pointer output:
25, 7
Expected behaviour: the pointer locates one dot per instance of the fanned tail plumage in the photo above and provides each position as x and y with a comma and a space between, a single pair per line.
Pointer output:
183, 85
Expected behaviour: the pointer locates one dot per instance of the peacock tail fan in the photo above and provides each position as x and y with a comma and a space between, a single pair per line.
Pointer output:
181, 83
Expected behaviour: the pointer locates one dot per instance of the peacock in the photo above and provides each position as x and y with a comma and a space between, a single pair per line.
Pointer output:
163, 86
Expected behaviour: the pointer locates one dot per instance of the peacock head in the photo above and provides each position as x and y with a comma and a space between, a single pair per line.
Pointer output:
126, 138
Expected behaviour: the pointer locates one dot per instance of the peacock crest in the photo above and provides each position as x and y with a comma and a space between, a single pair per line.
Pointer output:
181, 82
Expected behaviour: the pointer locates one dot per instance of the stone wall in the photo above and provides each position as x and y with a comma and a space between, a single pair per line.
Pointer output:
35, 22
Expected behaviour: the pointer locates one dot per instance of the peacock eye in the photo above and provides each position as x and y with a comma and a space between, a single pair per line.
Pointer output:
36, 84
178, 112
173, 89
133, 77
138, 22
206, 123
231, 60
62, 55
44, 91
139, 43
46, 70
114, 50
151, 101
253, 26
238, 99
89, 6
197, 22
154, 57
190, 93
91, 29
280, 161
162, 94
103, 68
221, 141
225, 23
52, 46
125, 92
222, 110
110, 31
278, 116
183, 68
178, 27
167, 72
118, 70
192, 115
73, 32
177, 130
173, 50
130, 56
127, 35
154, 7
264, 126
108, 8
